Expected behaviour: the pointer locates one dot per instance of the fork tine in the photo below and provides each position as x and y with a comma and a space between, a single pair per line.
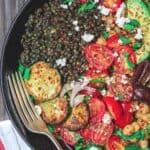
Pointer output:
16, 101
27, 95
23, 98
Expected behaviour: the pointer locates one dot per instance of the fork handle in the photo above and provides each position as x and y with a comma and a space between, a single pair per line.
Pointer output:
53, 139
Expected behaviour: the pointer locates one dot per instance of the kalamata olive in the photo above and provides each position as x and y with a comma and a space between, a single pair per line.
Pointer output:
141, 82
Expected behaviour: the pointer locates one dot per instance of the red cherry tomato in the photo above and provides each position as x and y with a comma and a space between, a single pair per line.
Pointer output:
112, 4
113, 106
112, 42
127, 116
98, 133
121, 85
99, 57
83, 1
115, 143
68, 137
127, 49
97, 110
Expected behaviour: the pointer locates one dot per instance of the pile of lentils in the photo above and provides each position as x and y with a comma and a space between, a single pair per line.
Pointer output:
50, 35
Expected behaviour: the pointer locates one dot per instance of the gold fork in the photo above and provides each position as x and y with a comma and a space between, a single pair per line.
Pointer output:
32, 121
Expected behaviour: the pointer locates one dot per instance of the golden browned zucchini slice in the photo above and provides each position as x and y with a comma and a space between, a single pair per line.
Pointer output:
54, 111
78, 119
44, 83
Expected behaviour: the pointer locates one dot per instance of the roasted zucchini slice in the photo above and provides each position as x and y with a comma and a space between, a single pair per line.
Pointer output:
54, 111
44, 83
78, 118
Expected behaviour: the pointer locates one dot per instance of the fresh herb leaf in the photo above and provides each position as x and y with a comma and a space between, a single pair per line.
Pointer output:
86, 7
105, 34
130, 64
79, 145
120, 96
58, 136
129, 27
137, 45
125, 40
21, 68
148, 129
32, 99
135, 23
132, 147
51, 128
67, 1
140, 134
78, 137
26, 74
87, 98
97, 80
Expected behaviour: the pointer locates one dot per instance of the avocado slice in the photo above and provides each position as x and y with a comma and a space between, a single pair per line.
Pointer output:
143, 16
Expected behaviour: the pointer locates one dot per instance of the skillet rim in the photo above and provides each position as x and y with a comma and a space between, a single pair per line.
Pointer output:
3, 51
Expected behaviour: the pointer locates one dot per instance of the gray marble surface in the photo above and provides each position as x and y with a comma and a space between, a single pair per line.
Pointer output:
8, 10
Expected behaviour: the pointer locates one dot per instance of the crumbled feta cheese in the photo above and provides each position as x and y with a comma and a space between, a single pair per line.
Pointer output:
106, 118
115, 54
64, 6
120, 21
120, 10
75, 22
103, 92
38, 109
69, 33
99, 7
96, 17
109, 80
105, 11
139, 35
77, 28
119, 41
137, 107
72, 84
87, 37
96, 1
124, 79
61, 62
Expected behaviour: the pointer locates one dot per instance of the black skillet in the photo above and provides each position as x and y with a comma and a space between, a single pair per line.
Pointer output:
9, 56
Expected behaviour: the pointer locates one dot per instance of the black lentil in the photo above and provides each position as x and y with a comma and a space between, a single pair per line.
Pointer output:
50, 35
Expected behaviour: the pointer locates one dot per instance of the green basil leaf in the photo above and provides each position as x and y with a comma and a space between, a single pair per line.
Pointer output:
125, 40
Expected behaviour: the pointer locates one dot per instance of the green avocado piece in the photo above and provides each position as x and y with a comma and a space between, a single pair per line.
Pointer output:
139, 5
139, 10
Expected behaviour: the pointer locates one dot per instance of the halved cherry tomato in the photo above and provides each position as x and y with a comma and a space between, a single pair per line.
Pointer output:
113, 106
127, 115
99, 56
115, 143
112, 42
68, 137
97, 110
127, 49
98, 133
113, 4
121, 86
93, 73
83, 1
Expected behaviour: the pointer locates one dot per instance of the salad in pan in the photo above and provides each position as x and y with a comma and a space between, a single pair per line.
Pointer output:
86, 66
